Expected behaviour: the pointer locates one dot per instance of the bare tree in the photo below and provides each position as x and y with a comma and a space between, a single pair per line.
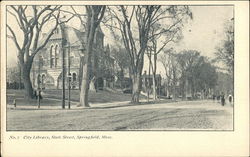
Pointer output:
31, 21
94, 16
173, 35
170, 64
135, 24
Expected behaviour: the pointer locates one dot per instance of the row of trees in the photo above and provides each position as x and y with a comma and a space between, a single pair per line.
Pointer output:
137, 26
141, 25
225, 54
188, 67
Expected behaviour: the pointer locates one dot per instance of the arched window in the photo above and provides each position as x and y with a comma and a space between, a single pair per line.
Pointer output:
56, 55
43, 79
51, 57
74, 76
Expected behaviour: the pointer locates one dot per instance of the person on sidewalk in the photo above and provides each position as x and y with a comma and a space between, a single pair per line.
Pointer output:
214, 97
38, 93
230, 99
222, 99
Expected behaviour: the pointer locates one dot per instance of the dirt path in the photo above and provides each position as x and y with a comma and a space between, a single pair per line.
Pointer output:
191, 115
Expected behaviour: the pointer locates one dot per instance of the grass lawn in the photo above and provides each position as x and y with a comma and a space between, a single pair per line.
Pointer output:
98, 97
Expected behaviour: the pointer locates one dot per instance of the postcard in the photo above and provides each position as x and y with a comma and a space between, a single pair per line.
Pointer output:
124, 78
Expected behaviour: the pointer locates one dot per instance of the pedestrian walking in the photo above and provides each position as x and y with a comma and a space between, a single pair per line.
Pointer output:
35, 94
230, 99
14, 102
218, 98
39, 94
214, 96
222, 100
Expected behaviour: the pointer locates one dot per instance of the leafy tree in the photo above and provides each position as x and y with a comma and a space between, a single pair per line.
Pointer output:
225, 52
224, 83
203, 76
186, 60
122, 60
196, 71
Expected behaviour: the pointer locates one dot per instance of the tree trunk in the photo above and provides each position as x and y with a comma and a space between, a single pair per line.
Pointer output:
57, 83
87, 63
154, 87
136, 80
121, 78
85, 78
174, 92
80, 72
192, 90
154, 76
168, 90
175, 80
84, 86
183, 89
20, 76
29, 93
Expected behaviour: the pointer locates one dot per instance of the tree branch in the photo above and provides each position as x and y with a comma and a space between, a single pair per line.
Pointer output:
49, 36
14, 38
101, 12
14, 17
165, 30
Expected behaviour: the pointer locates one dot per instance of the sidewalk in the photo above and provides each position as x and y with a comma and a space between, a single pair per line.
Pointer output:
73, 105
56, 103
162, 103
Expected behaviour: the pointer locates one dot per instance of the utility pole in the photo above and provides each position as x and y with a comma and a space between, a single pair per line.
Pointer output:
149, 82
39, 81
64, 42
63, 78
149, 53
34, 76
69, 76
20, 76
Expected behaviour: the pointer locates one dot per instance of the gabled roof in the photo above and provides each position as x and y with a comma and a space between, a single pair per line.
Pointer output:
74, 36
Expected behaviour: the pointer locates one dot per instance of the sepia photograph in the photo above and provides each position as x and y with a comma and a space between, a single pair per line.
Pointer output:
124, 78
119, 67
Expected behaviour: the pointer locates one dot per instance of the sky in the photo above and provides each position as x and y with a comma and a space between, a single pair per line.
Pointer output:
203, 33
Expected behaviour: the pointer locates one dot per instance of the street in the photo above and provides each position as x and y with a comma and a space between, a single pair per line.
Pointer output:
183, 115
